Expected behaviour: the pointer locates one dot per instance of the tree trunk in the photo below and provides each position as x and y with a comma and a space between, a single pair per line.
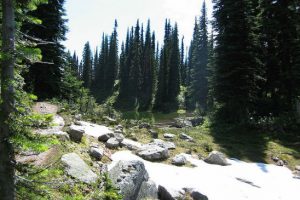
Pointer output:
7, 188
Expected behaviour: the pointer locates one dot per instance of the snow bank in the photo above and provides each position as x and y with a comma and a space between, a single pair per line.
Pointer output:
238, 181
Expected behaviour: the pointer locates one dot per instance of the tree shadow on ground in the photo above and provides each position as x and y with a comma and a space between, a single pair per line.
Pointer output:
254, 145
237, 142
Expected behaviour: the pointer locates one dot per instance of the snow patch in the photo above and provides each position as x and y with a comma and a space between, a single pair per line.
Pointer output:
238, 181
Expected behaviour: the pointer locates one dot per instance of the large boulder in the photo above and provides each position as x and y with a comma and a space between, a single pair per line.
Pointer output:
130, 144
216, 158
76, 132
179, 160
78, 169
153, 152
132, 179
164, 144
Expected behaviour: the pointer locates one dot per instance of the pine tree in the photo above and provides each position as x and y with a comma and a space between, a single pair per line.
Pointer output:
45, 77
87, 61
238, 67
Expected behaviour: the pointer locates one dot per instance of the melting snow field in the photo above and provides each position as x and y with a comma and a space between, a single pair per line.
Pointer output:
238, 181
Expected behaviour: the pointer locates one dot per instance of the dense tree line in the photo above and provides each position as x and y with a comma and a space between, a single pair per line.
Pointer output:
256, 59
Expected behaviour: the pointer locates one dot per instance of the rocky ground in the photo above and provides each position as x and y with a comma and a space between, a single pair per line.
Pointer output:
155, 168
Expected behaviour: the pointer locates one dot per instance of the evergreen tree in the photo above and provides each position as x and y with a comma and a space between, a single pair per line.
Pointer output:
238, 67
174, 70
45, 77
75, 64
199, 87
135, 67
111, 68
147, 71
87, 61
168, 86
280, 36
182, 64
124, 95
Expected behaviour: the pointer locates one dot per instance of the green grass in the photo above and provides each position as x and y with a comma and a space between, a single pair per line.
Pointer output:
241, 143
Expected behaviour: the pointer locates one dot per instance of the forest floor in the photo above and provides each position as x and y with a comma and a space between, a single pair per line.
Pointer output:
243, 144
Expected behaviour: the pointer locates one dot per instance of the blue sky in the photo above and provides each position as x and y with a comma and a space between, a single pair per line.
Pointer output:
88, 19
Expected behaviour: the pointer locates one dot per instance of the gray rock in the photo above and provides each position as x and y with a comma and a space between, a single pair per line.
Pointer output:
78, 117
76, 132
96, 153
148, 191
119, 136
179, 160
164, 144
131, 145
195, 195
297, 168
119, 127
118, 131
106, 136
181, 123
164, 194
78, 169
169, 135
153, 152
154, 134
184, 136
112, 143
280, 163
132, 179
216, 158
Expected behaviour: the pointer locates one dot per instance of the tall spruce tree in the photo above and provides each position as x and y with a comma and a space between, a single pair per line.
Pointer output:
123, 101
168, 86
174, 70
238, 67
111, 68
87, 62
135, 67
44, 77
147, 71
198, 89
